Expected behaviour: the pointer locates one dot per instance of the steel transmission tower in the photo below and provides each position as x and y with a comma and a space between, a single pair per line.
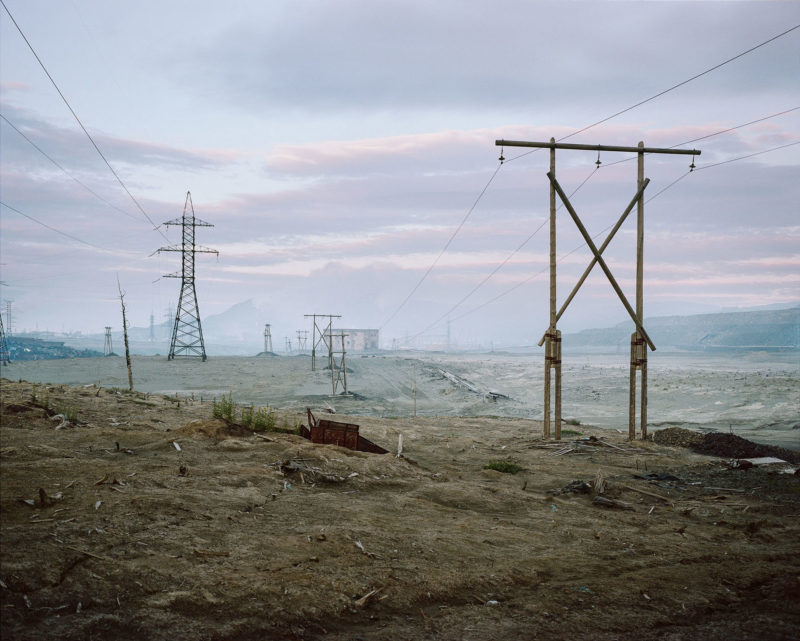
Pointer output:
187, 334
5, 356
108, 348
267, 338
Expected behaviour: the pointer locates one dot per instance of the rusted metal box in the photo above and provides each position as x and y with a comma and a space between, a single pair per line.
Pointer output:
337, 433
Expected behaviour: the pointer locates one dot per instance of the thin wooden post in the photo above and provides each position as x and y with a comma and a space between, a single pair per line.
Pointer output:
640, 289
125, 335
638, 350
549, 350
557, 367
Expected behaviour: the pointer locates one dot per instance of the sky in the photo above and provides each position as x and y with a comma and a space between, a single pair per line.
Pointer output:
345, 154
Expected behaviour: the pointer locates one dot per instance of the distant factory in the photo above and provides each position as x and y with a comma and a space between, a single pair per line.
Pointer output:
361, 340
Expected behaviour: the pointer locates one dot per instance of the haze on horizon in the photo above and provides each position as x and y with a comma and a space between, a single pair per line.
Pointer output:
337, 148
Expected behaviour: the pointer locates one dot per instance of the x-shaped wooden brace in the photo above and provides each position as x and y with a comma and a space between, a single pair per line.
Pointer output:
598, 259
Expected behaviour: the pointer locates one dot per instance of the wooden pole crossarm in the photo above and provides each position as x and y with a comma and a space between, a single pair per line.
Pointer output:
566, 145
600, 260
639, 194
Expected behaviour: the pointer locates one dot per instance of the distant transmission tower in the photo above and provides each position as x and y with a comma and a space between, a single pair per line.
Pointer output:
152, 327
187, 334
5, 356
108, 348
9, 318
267, 339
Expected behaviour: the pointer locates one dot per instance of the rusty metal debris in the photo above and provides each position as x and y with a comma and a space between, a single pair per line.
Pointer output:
337, 433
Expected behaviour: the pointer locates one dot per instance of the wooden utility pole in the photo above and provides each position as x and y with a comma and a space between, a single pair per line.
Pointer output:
552, 337
321, 334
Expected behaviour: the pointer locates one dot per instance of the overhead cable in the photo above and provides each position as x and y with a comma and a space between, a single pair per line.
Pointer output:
603, 231
575, 133
58, 231
78, 120
666, 91
444, 249
86, 187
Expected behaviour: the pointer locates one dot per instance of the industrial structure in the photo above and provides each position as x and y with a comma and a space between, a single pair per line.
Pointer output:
362, 340
267, 339
5, 355
108, 347
187, 333
552, 337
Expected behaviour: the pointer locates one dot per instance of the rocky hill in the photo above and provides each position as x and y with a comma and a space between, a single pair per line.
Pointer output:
772, 329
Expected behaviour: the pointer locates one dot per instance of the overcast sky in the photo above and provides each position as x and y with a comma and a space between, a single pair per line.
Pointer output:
337, 146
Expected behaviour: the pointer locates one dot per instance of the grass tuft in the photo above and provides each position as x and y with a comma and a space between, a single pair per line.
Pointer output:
503, 466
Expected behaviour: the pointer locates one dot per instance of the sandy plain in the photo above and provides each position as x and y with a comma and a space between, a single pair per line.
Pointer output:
753, 394
112, 531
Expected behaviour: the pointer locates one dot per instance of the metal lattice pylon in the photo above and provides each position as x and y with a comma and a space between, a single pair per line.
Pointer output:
187, 333
267, 339
108, 348
5, 356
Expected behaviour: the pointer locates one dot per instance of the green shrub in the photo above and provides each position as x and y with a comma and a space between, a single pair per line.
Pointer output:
503, 466
247, 417
264, 420
224, 409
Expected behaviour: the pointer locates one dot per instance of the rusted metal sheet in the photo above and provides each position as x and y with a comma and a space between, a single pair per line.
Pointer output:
337, 433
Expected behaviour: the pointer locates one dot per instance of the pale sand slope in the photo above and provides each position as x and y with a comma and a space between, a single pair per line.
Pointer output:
753, 395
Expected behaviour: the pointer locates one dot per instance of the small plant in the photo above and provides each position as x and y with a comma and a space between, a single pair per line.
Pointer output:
572, 421
571, 433
42, 401
69, 413
503, 466
264, 420
225, 408
247, 417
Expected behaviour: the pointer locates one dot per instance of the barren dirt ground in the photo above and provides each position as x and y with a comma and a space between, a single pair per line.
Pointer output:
109, 531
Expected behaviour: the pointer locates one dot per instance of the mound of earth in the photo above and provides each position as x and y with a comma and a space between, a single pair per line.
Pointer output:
721, 445
215, 429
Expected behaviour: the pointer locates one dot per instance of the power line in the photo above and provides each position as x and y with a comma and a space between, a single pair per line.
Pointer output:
672, 184
78, 120
86, 187
444, 249
599, 234
757, 153
502, 264
716, 133
58, 231
575, 133
666, 91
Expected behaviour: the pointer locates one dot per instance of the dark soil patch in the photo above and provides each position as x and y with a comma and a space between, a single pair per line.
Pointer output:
721, 444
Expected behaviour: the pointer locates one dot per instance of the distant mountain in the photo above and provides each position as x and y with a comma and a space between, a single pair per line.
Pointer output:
769, 329
243, 322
